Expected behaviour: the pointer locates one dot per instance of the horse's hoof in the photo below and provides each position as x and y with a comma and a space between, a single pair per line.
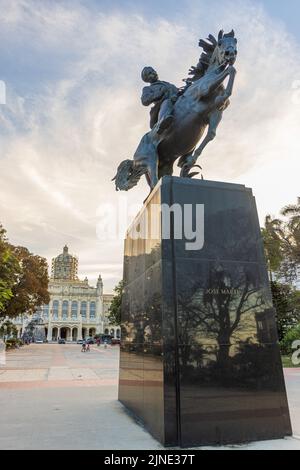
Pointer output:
191, 175
184, 173
196, 166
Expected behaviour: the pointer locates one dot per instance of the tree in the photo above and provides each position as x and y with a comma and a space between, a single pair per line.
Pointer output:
293, 211
292, 237
114, 312
287, 304
282, 243
31, 289
8, 329
290, 336
272, 245
9, 270
282, 248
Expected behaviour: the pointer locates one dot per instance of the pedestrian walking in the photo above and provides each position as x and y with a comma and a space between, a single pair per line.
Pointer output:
83, 349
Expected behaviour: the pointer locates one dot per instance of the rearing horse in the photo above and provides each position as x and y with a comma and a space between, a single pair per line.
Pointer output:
200, 106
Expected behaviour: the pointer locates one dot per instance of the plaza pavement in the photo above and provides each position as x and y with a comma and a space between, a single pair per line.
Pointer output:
55, 397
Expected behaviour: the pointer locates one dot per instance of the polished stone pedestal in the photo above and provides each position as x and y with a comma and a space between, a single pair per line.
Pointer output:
200, 361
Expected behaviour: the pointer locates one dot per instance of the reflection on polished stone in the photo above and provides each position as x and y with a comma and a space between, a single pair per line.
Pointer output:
200, 361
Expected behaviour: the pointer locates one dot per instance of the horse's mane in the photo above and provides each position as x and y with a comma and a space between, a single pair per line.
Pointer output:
196, 72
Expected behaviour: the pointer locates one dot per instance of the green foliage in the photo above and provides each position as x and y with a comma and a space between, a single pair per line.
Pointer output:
31, 290
272, 245
290, 336
13, 343
292, 237
282, 249
23, 279
282, 242
9, 270
8, 329
287, 304
287, 362
114, 313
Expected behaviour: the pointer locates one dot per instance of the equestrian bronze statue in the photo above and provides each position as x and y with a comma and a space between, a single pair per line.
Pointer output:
180, 117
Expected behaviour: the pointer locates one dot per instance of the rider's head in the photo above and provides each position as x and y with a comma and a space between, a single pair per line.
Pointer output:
149, 75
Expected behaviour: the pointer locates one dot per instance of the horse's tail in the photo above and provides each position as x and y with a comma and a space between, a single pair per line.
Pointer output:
128, 175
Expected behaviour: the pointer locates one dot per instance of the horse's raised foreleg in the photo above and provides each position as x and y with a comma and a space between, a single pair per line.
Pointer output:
219, 105
220, 101
208, 84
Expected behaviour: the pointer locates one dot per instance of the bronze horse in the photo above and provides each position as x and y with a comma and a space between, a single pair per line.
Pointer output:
200, 105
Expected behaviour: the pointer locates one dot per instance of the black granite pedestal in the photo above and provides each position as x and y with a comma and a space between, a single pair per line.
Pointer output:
200, 361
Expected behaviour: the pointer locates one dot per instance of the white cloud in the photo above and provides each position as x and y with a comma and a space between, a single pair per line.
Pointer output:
77, 115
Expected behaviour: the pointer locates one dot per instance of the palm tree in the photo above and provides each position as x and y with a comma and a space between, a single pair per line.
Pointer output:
293, 212
272, 235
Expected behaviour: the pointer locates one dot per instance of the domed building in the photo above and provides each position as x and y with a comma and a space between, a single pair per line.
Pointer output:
65, 266
76, 310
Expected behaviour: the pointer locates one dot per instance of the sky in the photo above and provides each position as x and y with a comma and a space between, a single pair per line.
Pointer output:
73, 112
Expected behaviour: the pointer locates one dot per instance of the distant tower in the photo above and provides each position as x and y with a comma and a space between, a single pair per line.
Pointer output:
65, 266
100, 285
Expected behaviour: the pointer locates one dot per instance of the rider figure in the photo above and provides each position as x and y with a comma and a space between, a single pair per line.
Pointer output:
163, 95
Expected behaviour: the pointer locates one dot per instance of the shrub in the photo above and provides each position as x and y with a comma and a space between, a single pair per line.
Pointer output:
286, 343
11, 343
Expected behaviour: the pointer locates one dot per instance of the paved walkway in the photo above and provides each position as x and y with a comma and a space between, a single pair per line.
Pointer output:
55, 397
54, 365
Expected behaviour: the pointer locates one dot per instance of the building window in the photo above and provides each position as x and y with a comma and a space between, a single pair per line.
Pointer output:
118, 333
38, 313
83, 310
46, 311
92, 310
55, 309
112, 332
106, 331
65, 308
74, 309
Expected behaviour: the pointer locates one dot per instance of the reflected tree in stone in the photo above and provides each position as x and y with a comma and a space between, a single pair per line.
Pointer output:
216, 314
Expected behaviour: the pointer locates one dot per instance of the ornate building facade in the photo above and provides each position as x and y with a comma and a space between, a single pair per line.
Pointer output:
76, 310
